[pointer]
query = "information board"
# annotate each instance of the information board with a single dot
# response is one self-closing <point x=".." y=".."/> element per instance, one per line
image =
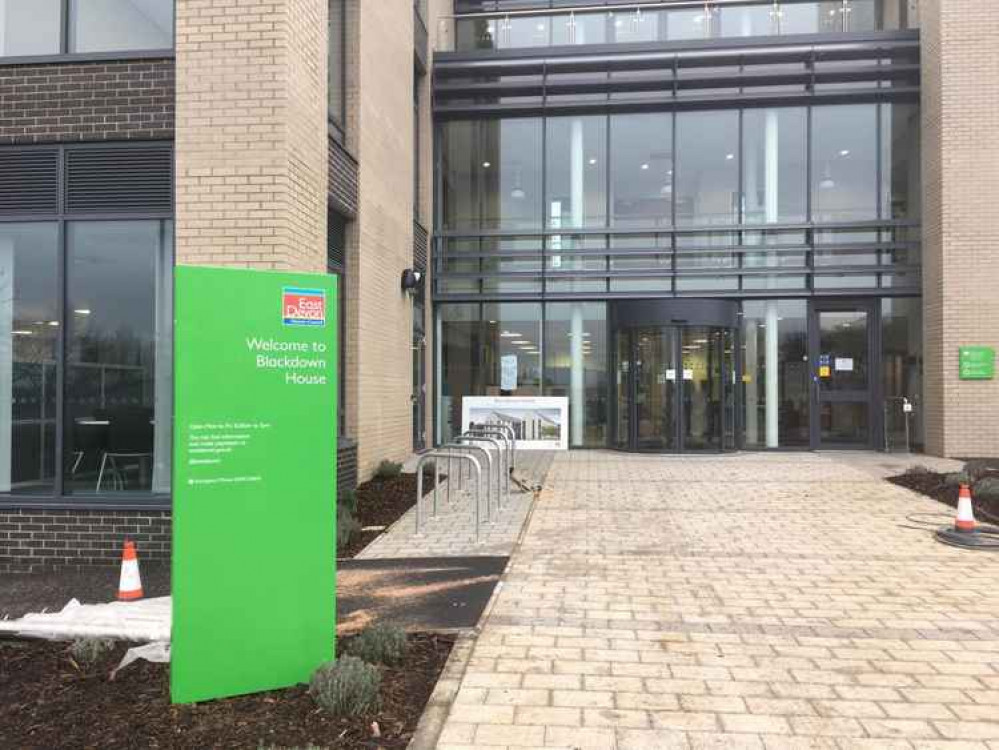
<point x="254" y="480"/>
<point x="976" y="363"/>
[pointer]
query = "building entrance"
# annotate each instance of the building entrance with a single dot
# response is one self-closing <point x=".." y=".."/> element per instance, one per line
<point x="674" y="387"/>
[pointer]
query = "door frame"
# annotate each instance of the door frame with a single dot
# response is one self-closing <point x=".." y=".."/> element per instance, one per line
<point x="874" y="416"/>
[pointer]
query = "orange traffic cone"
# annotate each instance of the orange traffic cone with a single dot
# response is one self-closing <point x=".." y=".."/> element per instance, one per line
<point x="965" y="521"/>
<point x="130" y="584"/>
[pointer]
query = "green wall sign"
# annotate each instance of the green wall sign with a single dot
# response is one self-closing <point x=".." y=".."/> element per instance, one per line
<point x="254" y="480"/>
<point x="977" y="363"/>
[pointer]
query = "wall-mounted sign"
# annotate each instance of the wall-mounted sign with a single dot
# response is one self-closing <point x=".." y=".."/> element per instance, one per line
<point x="976" y="363"/>
<point x="540" y="422"/>
<point x="824" y="371"/>
<point x="844" y="364"/>
<point x="254" y="480"/>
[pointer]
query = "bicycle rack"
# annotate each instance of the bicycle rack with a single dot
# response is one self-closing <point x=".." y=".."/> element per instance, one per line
<point x="511" y="433"/>
<point x="492" y="442"/>
<point x="483" y="432"/>
<point x="439" y="454"/>
<point x="488" y="471"/>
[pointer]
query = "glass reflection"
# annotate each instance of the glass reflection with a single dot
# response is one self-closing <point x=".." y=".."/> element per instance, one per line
<point x="576" y="179"/>
<point x="492" y="174"/>
<point x="114" y="25"/>
<point x="707" y="169"/>
<point x="118" y="367"/>
<point x="775" y="377"/>
<point x="29" y="332"/>
<point x="844" y="163"/>
<point x="576" y="367"/>
<point x="641" y="159"/>
<point x="30" y="28"/>
<point x="774" y="158"/>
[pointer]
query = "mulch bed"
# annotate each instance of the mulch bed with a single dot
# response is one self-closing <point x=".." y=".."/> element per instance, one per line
<point x="932" y="485"/>
<point x="381" y="502"/>
<point x="46" y="702"/>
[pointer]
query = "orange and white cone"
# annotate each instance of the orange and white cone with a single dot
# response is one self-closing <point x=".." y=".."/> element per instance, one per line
<point x="965" y="520"/>
<point x="130" y="584"/>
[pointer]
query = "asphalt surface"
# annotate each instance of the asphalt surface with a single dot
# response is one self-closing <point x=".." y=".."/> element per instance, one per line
<point x="417" y="594"/>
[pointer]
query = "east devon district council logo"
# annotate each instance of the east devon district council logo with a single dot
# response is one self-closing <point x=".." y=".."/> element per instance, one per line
<point x="303" y="307"/>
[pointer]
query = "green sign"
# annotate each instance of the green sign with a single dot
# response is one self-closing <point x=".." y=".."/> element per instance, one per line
<point x="977" y="363"/>
<point x="254" y="481"/>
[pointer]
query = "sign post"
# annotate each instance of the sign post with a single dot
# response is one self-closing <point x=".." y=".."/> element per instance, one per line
<point x="976" y="363"/>
<point x="254" y="480"/>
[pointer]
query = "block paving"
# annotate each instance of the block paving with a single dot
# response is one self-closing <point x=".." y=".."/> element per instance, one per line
<point x="761" y="601"/>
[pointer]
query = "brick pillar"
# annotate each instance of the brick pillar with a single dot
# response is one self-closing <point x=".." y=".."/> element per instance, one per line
<point x="251" y="138"/>
<point x="960" y="100"/>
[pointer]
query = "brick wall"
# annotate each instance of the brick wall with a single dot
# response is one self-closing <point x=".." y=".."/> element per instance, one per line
<point x="960" y="172"/>
<point x="44" y="539"/>
<point x="379" y="368"/>
<point x="252" y="142"/>
<point x="99" y="101"/>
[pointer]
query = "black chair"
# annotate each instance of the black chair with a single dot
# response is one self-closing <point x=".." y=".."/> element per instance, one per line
<point x="129" y="445"/>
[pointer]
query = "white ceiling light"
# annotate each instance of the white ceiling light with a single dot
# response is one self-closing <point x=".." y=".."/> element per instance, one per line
<point x="645" y="166"/>
<point x="486" y="164"/>
<point x="845" y="152"/>
<point x="510" y="335"/>
<point x="592" y="161"/>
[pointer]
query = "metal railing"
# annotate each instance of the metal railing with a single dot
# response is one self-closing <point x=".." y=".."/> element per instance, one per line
<point x="663" y="21"/>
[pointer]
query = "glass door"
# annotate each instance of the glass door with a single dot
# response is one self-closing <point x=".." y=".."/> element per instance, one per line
<point x="702" y="388"/>
<point x="655" y="389"/>
<point x="841" y="361"/>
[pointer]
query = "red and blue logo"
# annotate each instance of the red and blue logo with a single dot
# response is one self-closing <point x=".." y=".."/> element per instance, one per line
<point x="303" y="307"/>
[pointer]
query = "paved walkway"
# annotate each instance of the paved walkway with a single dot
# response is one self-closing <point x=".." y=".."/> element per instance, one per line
<point x="757" y="601"/>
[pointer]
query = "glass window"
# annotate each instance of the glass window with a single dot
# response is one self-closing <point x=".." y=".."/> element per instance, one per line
<point x="577" y="172"/>
<point x="775" y="377"/>
<point x="336" y="72"/>
<point x="844" y="163"/>
<point x="579" y="28"/>
<point x="115" y="25"/>
<point x="118" y="402"/>
<point x="902" y="368"/>
<point x="30" y="27"/>
<point x="492" y="174"/>
<point x="815" y="17"/>
<point x="29" y="329"/>
<point x="900" y="161"/>
<point x="476" y="33"/>
<point x="473" y="341"/>
<point x="641" y="170"/>
<point x="752" y="20"/>
<point x="775" y="167"/>
<point x="576" y="367"/>
<point x="687" y="24"/>
<point x="635" y="25"/>
<point x="861" y="15"/>
<point x="707" y="169"/>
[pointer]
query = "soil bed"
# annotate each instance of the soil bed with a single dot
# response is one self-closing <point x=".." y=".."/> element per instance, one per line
<point x="932" y="485"/>
<point x="381" y="502"/>
<point x="46" y="702"/>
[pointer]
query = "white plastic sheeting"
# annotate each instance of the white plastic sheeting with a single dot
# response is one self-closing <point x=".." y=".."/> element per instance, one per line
<point x="143" y="620"/>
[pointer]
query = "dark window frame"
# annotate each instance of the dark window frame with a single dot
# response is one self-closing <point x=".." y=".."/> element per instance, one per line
<point x="64" y="54"/>
<point x="57" y="499"/>
<point x="339" y="269"/>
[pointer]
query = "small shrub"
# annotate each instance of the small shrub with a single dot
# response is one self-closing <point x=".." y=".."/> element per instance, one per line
<point x="956" y="478"/>
<point x="379" y="644"/>
<point x="979" y="468"/>
<point x="86" y="652"/>
<point x="348" y="500"/>
<point x="346" y="687"/>
<point x="987" y="490"/>
<point x="388" y="470"/>
<point x="346" y="526"/>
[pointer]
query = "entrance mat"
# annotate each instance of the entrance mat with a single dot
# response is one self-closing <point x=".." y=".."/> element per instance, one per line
<point x="421" y="593"/>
